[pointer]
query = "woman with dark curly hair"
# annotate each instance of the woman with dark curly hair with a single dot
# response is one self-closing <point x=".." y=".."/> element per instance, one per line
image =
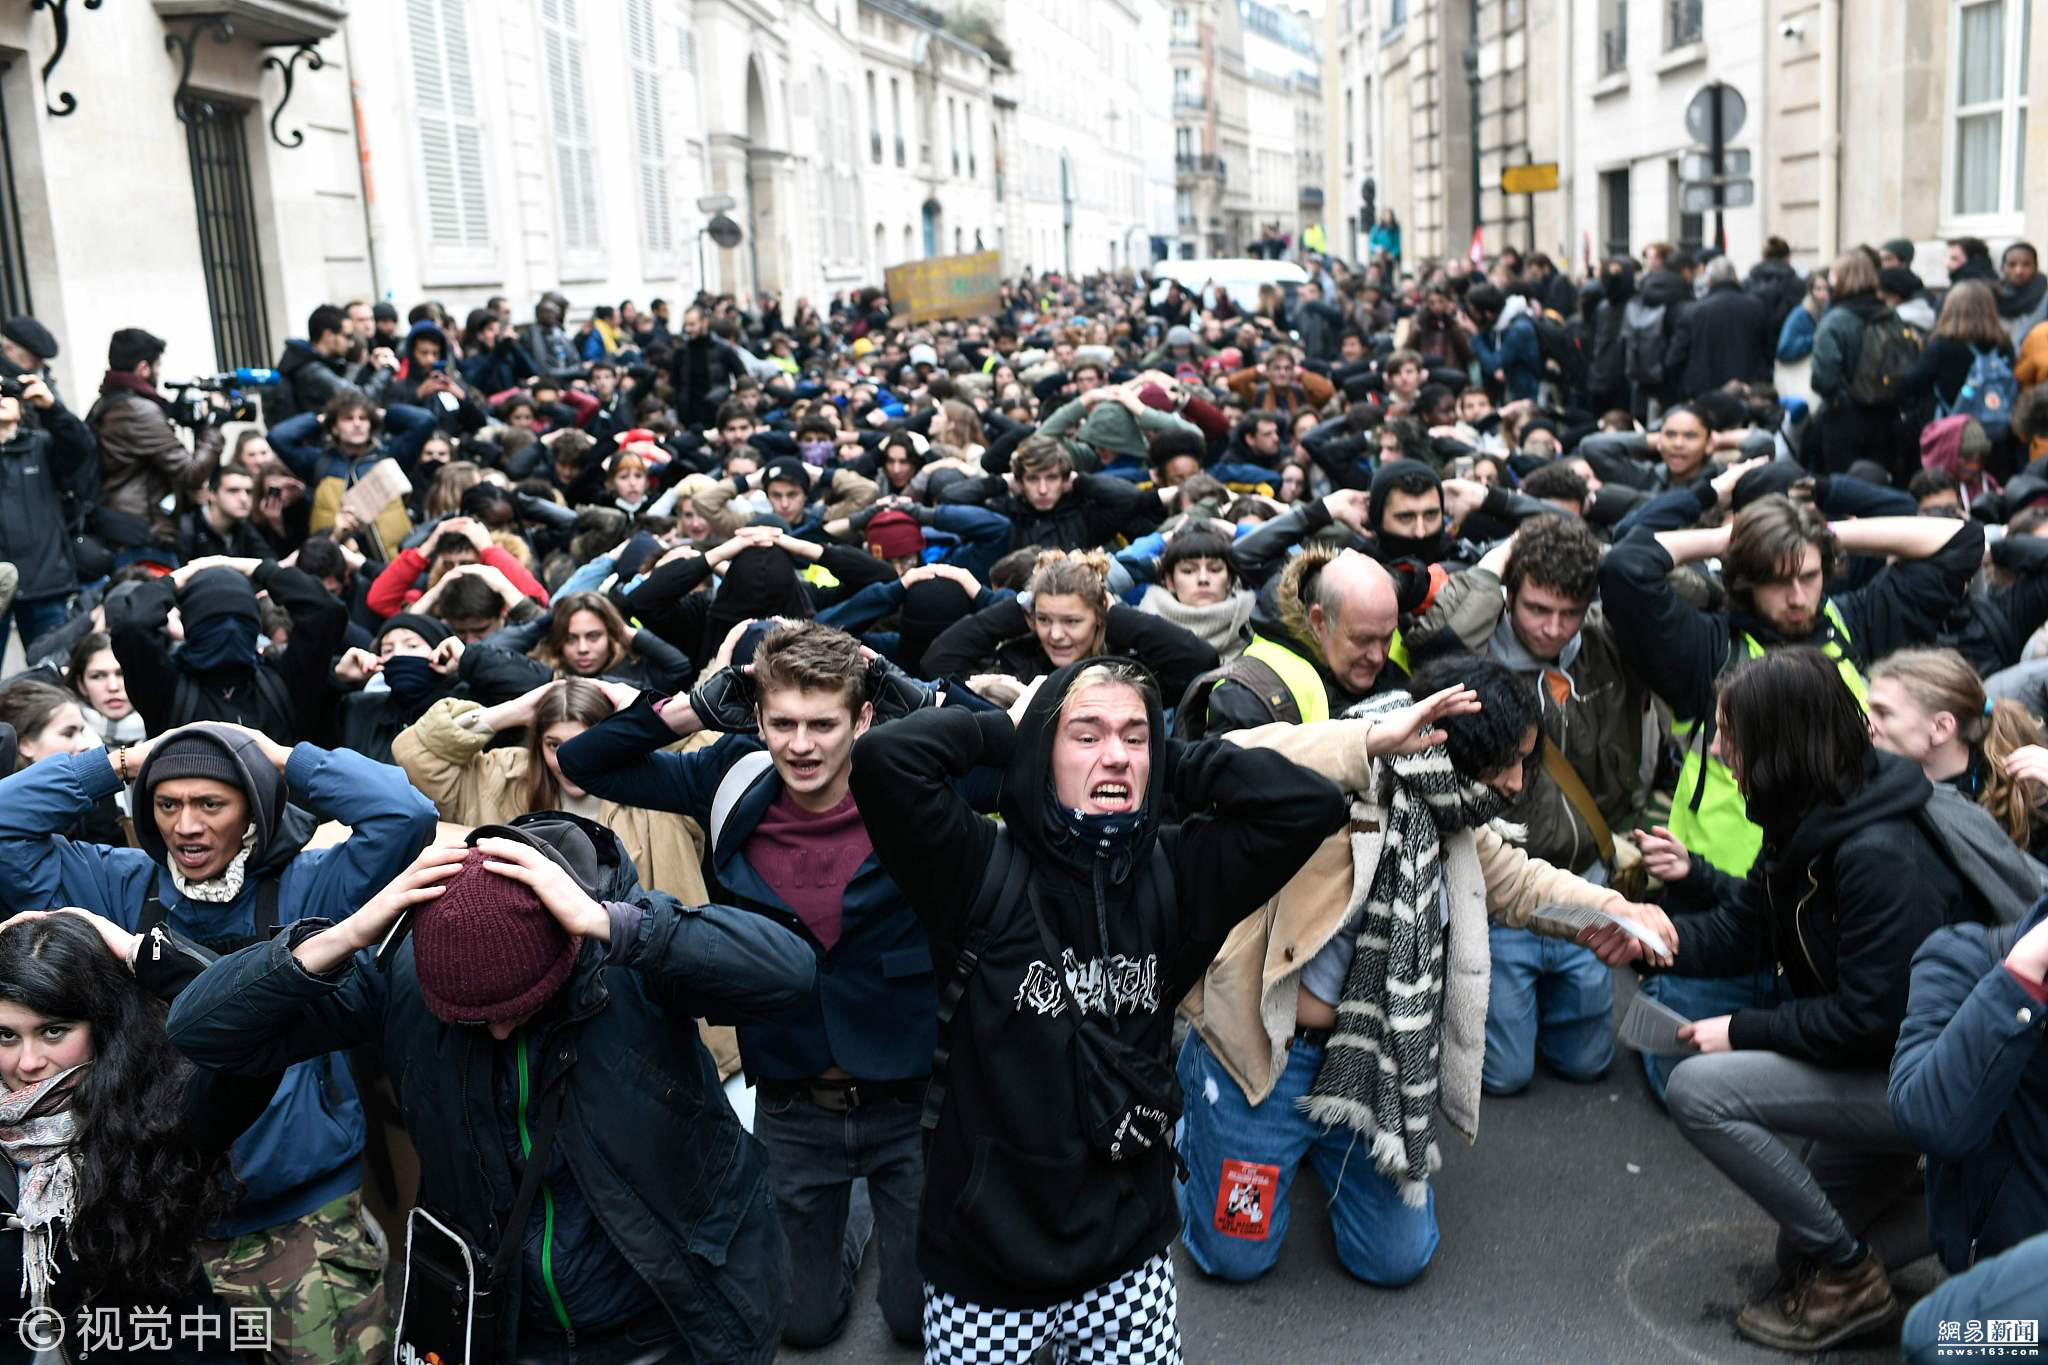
<point x="115" y="1143"/>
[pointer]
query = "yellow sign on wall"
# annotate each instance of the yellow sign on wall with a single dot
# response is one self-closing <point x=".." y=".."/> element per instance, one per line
<point x="945" y="286"/>
<point x="1531" y="179"/>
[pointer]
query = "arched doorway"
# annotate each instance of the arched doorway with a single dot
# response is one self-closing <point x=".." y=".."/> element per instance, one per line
<point x="934" y="227"/>
<point x="763" y="221"/>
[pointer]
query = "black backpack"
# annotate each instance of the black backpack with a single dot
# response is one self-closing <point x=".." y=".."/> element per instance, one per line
<point x="1642" y="342"/>
<point x="1564" y="353"/>
<point x="1889" y="348"/>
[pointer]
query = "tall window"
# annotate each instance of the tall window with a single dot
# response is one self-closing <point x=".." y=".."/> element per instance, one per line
<point x="1684" y="22"/>
<point x="1988" y="102"/>
<point x="650" y="138"/>
<point x="216" y="137"/>
<point x="1613" y="36"/>
<point x="450" y="134"/>
<point x="1184" y="144"/>
<point x="953" y="131"/>
<point x="1691" y="227"/>
<point x="896" y="114"/>
<point x="845" y="229"/>
<point x="1614" y="212"/>
<point x="874" y="122"/>
<point x="569" y="105"/>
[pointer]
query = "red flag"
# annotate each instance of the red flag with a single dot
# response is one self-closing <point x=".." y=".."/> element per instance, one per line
<point x="1478" y="251"/>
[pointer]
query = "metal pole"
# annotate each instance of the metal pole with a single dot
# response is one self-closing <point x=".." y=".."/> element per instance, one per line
<point x="1715" y="149"/>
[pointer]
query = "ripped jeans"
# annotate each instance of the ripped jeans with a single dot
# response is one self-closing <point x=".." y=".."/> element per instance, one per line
<point x="1241" y="1162"/>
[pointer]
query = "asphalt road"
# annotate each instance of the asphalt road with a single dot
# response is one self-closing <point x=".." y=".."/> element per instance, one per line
<point x="1580" y="1228"/>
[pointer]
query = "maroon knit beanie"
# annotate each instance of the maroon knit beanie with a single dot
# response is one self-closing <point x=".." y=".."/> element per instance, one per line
<point x="486" y="950"/>
<point x="895" y="535"/>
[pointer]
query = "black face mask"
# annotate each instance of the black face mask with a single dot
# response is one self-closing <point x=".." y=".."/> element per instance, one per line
<point x="1430" y="549"/>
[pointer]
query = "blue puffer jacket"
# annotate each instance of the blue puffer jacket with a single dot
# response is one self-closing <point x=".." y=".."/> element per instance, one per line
<point x="305" y="1150"/>
<point x="1970" y="1087"/>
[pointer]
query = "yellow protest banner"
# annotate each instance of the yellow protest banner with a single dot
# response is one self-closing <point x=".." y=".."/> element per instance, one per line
<point x="945" y="286"/>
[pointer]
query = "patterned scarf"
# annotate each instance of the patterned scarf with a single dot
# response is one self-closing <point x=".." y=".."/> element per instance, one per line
<point x="36" y="1132"/>
<point x="224" y="888"/>
<point x="1381" y="1070"/>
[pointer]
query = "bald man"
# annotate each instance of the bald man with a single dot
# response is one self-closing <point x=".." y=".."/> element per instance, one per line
<point x="1321" y="636"/>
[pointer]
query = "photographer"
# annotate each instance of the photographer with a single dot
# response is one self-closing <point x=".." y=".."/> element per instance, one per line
<point x="37" y="467"/>
<point x="144" y="461"/>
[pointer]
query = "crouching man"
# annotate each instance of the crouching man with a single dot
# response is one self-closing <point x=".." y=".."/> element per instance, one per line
<point x="542" y="1011"/>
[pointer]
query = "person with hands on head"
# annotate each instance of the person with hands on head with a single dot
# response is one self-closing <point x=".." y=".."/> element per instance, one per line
<point x="1847" y="888"/>
<point x="840" y="1081"/>
<point x="1353" y="1004"/>
<point x="1057" y="1078"/>
<point x="456" y="542"/>
<point x="117" y="1145"/>
<point x="535" y="1006"/>
<point x="223" y="816"/>
<point x="220" y="672"/>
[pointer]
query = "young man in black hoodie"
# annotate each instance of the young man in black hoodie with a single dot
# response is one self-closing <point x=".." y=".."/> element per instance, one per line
<point x="1068" y="936"/>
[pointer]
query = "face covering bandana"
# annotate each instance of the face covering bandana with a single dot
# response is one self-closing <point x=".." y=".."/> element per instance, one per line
<point x="1429" y="549"/>
<point x="218" y="642"/>
<point x="816" y="452"/>
<point x="410" y="676"/>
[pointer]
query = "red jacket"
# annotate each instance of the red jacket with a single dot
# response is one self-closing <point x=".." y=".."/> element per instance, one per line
<point x="395" y="588"/>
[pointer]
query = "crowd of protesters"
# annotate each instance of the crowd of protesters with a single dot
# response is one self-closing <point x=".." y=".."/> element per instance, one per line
<point x="717" y="787"/>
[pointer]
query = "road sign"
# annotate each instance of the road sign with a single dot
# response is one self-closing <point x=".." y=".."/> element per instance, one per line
<point x="1534" y="178"/>
<point x="716" y="203"/>
<point x="1698" y="167"/>
<point x="1730" y="194"/>
<point x="724" y="231"/>
<point x="1720" y="103"/>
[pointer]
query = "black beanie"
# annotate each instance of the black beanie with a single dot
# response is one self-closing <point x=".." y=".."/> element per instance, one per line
<point x="928" y="609"/>
<point x="218" y="592"/>
<point x="1383" y="483"/>
<point x="426" y="627"/>
<point x="192" y="755"/>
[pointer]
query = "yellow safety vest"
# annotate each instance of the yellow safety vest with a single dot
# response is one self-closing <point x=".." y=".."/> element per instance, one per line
<point x="1397" y="652"/>
<point x="1708" y="814"/>
<point x="818" y="576"/>
<point x="1298" y="675"/>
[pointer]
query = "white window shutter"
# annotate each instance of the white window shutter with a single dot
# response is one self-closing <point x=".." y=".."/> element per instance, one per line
<point x="449" y="130"/>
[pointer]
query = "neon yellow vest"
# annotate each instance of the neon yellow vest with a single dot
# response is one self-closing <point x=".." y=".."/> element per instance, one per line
<point x="1299" y="676"/>
<point x="1716" y="825"/>
<point x="1397" y="653"/>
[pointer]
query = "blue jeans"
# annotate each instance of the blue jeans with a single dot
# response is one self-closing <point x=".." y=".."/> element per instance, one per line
<point x="1703" y="997"/>
<point x="1235" y="1233"/>
<point x="2013" y="1284"/>
<point x="37" y="616"/>
<point x="814" y="1156"/>
<point x="1546" y="996"/>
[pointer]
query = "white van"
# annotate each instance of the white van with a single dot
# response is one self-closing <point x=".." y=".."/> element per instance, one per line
<point x="1241" y="275"/>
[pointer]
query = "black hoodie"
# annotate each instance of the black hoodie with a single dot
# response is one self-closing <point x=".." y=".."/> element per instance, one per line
<point x="1018" y="1210"/>
<point x="1839" y="903"/>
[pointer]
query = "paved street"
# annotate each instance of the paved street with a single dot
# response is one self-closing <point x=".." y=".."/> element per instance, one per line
<point x="1580" y="1229"/>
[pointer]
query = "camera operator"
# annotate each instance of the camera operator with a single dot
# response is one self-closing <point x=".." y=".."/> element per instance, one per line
<point x="144" y="459"/>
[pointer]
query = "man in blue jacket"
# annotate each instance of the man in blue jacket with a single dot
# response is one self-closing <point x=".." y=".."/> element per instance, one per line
<point x="1969" y="1086"/>
<point x="222" y="860"/>
<point x="841" y="1081"/>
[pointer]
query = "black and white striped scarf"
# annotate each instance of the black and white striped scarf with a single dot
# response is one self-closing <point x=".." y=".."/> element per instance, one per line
<point x="1381" y="1070"/>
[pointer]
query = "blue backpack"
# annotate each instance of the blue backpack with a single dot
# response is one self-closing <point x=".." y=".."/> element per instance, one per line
<point x="1988" y="394"/>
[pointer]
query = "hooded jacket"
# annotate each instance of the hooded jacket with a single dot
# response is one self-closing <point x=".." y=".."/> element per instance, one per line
<point x="1018" y="1211"/>
<point x="1969" y="1087"/>
<point x="667" y="1175"/>
<point x="1000" y="639"/>
<point x="285" y="695"/>
<point x="1838" y="904"/>
<point x="304" y="1151"/>
<point x="37" y="467"/>
<point x="310" y="378"/>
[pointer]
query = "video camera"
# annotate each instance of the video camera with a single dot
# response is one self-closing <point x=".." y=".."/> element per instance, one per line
<point x="192" y="405"/>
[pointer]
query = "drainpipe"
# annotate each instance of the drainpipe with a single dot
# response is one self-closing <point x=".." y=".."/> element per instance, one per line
<point x="355" y="105"/>
<point x="1830" y="37"/>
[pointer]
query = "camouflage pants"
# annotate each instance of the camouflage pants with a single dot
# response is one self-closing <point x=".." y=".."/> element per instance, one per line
<point x="321" y="1277"/>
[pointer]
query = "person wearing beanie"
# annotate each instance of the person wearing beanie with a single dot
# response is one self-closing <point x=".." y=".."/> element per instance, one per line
<point x="537" y="1006"/>
<point x="801" y="497"/>
<point x="841" y="1083"/>
<point x="413" y="661"/>
<point x="1906" y="294"/>
<point x="223" y="817"/>
<point x="220" y="673"/>
<point x="1107" y="427"/>
<point x="895" y="538"/>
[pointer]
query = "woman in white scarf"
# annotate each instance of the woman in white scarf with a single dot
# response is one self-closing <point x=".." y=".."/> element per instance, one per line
<point x="114" y="1143"/>
<point x="1198" y="590"/>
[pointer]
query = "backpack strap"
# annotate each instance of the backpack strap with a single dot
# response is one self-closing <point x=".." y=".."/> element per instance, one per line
<point x="269" y="894"/>
<point x="739" y="779"/>
<point x="1002" y="887"/>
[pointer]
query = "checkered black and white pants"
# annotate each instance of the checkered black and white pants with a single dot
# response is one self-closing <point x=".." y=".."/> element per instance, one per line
<point x="1132" y="1320"/>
